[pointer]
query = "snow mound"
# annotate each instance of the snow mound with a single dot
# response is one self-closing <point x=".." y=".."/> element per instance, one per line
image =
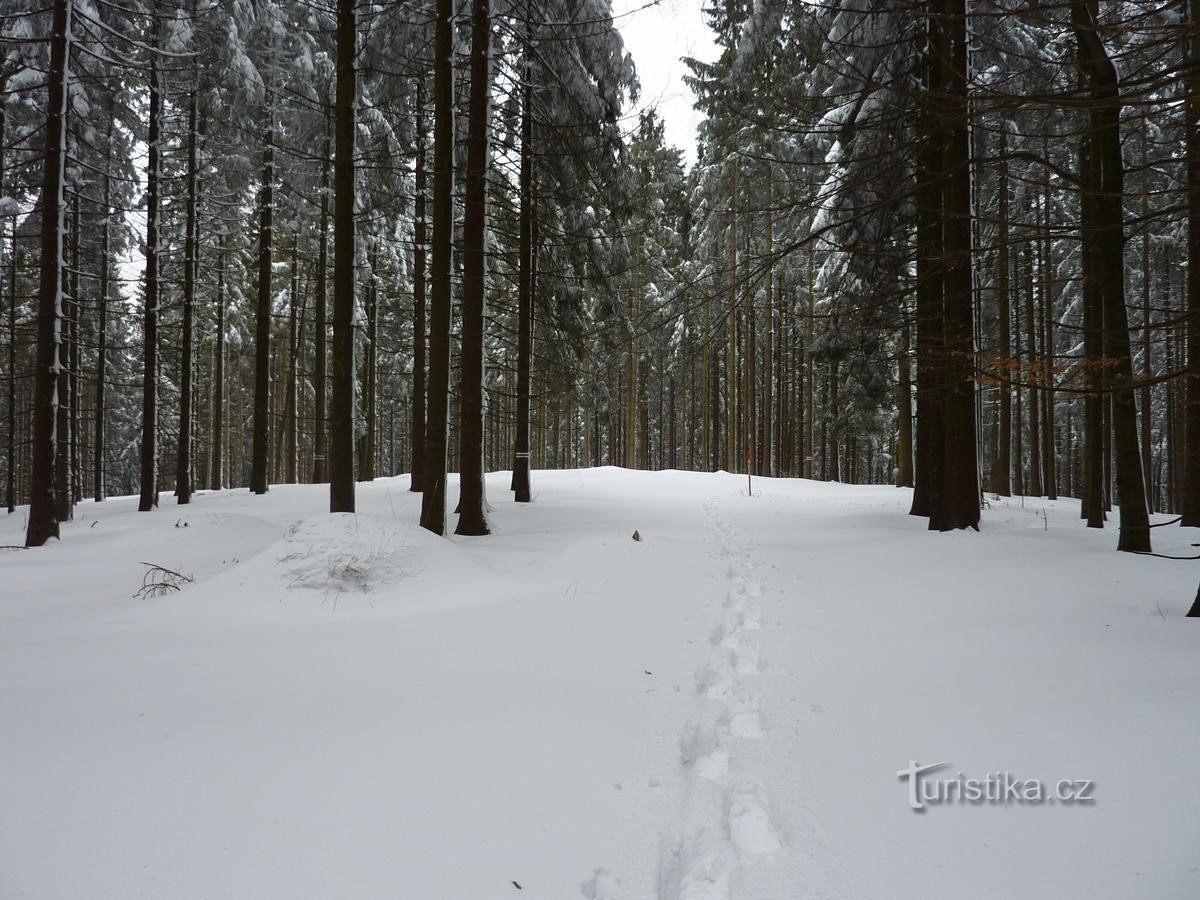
<point x="345" y="553"/>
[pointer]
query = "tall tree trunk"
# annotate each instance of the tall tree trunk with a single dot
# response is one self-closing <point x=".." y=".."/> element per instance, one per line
<point x="631" y="360"/>
<point x="43" y="524"/>
<point x="1147" y="337"/>
<point x="10" y="487"/>
<point x="183" y="471"/>
<point x="291" y="412"/>
<point x="75" y="371"/>
<point x="100" y="441"/>
<point x="341" y="405"/>
<point x="732" y="413"/>
<point x="808" y="374"/>
<point x="149" y="493"/>
<point x="1092" y="498"/>
<point x="417" y="432"/>
<point x="958" y="505"/>
<point x="1033" y="368"/>
<point x="832" y="414"/>
<point x="1001" y="455"/>
<point x="260" y="449"/>
<point x="520" y="478"/>
<point x="930" y="449"/>
<point x="433" y="499"/>
<point x="472" y="506"/>
<point x="368" y="439"/>
<point x="904" y="412"/>
<point x="750" y="363"/>
<point x="1105" y="116"/>
<point x="769" y="466"/>
<point x="1049" y="356"/>
<point x="321" y="324"/>
<point x="64" y="461"/>
<point x="216" y="476"/>
<point x="1191" y="460"/>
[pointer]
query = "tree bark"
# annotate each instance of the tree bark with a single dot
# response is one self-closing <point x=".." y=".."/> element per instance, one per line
<point x="472" y="506"/>
<point x="64" y="459"/>
<point x="904" y="412"/>
<point x="10" y="488"/>
<point x="433" y="498"/>
<point x="958" y="505"/>
<point x="521" y="467"/>
<point x="100" y="441"/>
<point x="216" y="476"/>
<point x="1105" y="116"/>
<point x="183" y="470"/>
<point x="43" y="524"/>
<point x="290" y="416"/>
<point x="1092" y="499"/>
<point x="368" y="439"/>
<point x="341" y="406"/>
<point x="930" y="447"/>
<point x="260" y="448"/>
<point x="1191" y="458"/>
<point x="417" y="433"/>
<point x="1001" y="454"/>
<point x="1033" y="368"/>
<point x="149" y="493"/>
<point x="321" y="324"/>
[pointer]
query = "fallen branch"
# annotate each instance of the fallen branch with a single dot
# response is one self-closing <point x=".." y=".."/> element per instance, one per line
<point x="159" y="580"/>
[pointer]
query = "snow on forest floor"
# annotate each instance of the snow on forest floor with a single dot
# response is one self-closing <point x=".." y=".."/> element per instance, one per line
<point x="347" y="706"/>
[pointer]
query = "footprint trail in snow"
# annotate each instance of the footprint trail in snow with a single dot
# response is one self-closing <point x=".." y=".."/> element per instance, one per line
<point x="726" y="819"/>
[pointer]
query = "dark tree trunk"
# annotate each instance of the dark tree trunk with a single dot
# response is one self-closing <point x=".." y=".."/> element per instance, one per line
<point x="64" y="462"/>
<point x="183" y="471"/>
<point x="1001" y="455"/>
<point x="433" y="499"/>
<point x="1191" y="459"/>
<point x="1092" y="499"/>
<point x="417" y="433"/>
<point x="216" y="479"/>
<point x="904" y="410"/>
<point x="100" y="442"/>
<point x="290" y="413"/>
<point x="368" y="440"/>
<point x="1033" y="368"/>
<point x="930" y="446"/>
<point x="520" y="476"/>
<point x="149" y="495"/>
<point x="260" y="449"/>
<point x="1049" y="359"/>
<point x="42" y="522"/>
<point x="341" y="407"/>
<point x="1147" y="411"/>
<point x="10" y="488"/>
<point x="472" y="506"/>
<point x="958" y="505"/>
<point x="74" y="369"/>
<point x="1105" y="117"/>
<point x="320" y="323"/>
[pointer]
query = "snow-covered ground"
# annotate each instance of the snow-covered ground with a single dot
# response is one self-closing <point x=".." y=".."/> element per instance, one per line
<point x="347" y="706"/>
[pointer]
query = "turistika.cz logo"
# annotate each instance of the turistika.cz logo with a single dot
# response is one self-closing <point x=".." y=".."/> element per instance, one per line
<point x="998" y="788"/>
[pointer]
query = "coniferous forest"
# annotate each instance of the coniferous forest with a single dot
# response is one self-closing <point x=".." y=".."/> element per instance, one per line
<point x="437" y="467"/>
<point x="941" y="245"/>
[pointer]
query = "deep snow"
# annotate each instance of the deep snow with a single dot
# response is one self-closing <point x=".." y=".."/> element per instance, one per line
<point x="347" y="706"/>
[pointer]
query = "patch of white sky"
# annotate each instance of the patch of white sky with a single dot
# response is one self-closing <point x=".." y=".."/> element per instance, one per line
<point x="658" y="34"/>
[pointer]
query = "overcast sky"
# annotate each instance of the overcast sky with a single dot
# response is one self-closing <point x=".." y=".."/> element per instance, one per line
<point x="658" y="34"/>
